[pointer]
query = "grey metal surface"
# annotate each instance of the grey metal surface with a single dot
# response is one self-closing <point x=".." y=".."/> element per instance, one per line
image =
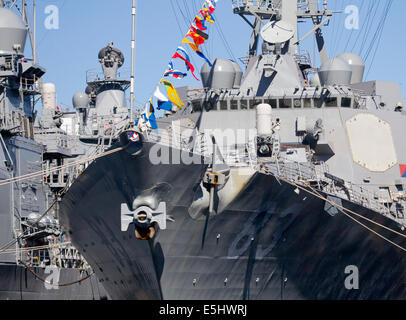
<point x="335" y="71"/>
<point x="222" y="75"/>
<point x="356" y="64"/>
<point x="264" y="237"/>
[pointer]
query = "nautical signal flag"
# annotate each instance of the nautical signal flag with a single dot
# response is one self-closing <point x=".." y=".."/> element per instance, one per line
<point x="210" y="5"/>
<point x="196" y="36"/>
<point x="402" y="168"/>
<point x="204" y="57"/>
<point x="171" y="72"/>
<point x="199" y="32"/>
<point x="197" y="39"/>
<point x="199" y="23"/>
<point x="196" y="49"/>
<point x="172" y="94"/>
<point x="191" y="44"/>
<point x="182" y="54"/>
<point x="206" y="14"/>
<point x="149" y="115"/>
<point x="163" y="102"/>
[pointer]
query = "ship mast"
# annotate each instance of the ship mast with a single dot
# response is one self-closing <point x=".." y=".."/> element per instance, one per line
<point x="288" y="14"/>
<point x="289" y="11"/>
<point x="34" y="26"/>
<point x="264" y="11"/>
<point x="133" y="12"/>
<point x="320" y="16"/>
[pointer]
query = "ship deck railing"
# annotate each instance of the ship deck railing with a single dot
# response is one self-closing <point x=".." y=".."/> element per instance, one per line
<point x="193" y="142"/>
<point x="303" y="58"/>
<point x="58" y="255"/>
<point x="66" y="177"/>
<point x="317" y="176"/>
<point x="94" y="75"/>
<point x="30" y="86"/>
<point x="302" y="5"/>
<point x="304" y="10"/>
<point x="59" y="178"/>
<point x="268" y="4"/>
<point x="238" y="155"/>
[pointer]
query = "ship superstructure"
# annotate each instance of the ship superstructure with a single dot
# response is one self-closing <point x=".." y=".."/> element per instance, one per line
<point x="308" y="107"/>
<point x="269" y="183"/>
<point x="100" y="114"/>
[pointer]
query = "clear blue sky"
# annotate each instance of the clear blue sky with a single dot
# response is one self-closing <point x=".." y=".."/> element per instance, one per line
<point x="87" y="26"/>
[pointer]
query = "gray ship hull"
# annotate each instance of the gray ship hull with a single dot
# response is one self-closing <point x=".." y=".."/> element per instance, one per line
<point x="270" y="243"/>
<point x="18" y="283"/>
<point x="90" y="212"/>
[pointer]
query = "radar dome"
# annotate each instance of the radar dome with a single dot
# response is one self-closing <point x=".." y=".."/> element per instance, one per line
<point x="80" y="100"/>
<point x="335" y="71"/>
<point x="13" y="32"/>
<point x="222" y="74"/>
<point x="356" y="64"/>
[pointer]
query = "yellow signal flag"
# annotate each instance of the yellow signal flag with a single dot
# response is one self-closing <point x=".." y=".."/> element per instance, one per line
<point x="172" y="94"/>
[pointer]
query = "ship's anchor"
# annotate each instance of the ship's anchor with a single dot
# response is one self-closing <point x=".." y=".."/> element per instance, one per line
<point x="216" y="176"/>
<point x="145" y="220"/>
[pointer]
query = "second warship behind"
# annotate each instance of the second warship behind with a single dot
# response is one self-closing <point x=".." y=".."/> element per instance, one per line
<point x="307" y="182"/>
<point x="36" y="260"/>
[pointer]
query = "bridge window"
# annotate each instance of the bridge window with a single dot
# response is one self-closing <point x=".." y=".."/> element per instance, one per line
<point x="307" y="103"/>
<point x="285" y="103"/>
<point x="234" y="105"/>
<point x="210" y="105"/>
<point x="272" y="102"/>
<point x="346" y="102"/>
<point x="223" y="105"/>
<point x="244" y="104"/>
<point x="196" y="106"/>
<point x="331" y="103"/>
<point x="255" y="102"/>
<point x="318" y="103"/>
<point x="297" y="103"/>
